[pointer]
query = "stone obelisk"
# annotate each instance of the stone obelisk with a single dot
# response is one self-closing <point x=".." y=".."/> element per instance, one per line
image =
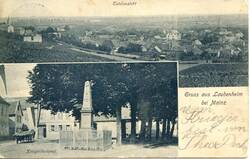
<point x="87" y="110"/>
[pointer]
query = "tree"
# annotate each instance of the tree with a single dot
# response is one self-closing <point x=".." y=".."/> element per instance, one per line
<point x="59" y="87"/>
<point x="67" y="27"/>
<point x="32" y="28"/>
<point x="107" y="46"/>
<point x="50" y="30"/>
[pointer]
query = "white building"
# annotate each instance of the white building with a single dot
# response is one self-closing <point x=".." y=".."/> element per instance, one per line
<point x="51" y="124"/>
<point x="173" y="35"/>
<point x="36" y="38"/>
<point x="16" y="118"/>
<point x="10" y="29"/>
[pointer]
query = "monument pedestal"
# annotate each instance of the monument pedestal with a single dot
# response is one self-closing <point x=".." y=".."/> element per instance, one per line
<point x="86" y="119"/>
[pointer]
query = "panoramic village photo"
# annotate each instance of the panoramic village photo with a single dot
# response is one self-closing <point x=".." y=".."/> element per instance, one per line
<point x="94" y="78"/>
<point x="189" y="31"/>
<point x="89" y="110"/>
<point x="210" y="43"/>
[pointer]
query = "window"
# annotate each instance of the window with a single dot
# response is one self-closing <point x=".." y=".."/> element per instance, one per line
<point x="52" y="128"/>
<point x="60" y="127"/>
<point x="52" y="116"/>
<point x="3" y="111"/>
<point x="67" y="127"/>
<point x="60" y="116"/>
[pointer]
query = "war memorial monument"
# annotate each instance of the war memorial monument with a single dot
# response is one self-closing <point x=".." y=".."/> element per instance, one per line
<point x="86" y="137"/>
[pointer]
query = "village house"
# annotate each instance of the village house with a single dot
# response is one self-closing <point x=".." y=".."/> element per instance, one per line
<point x="239" y="35"/>
<point x="60" y="29"/>
<point x="143" y="48"/>
<point x="50" y="124"/>
<point x="54" y="35"/>
<point x="30" y="117"/>
<point x="20" y="31"/>
<point x="197" y="43"/>
<point x="28" y="31"/>
<point x="157" y="49"/>
<point x="4" y="119"/>
<point x="88" y="33"/>
<point x="10" y="29"/>
<point x="16" y="118"/>
<point x="224" y="31"/>
<point x="88" y="41"/>
<point x="173" y="35"/>
<point x="33" y="38"/>
<point x="21" y="114"/>
<point x="196" y="51"/>
<point x="213" y="52"/>
<point x="228" y="38"/>
<point x="158" y="37"/>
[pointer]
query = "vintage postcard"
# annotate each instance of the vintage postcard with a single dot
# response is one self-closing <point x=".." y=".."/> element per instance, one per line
<point x="123" y="78"/>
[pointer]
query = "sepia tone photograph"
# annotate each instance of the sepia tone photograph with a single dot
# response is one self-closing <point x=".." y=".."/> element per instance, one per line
<point x="89" y="110"/>
<point x="189" y="31"/>
<point x="123" y="78"/>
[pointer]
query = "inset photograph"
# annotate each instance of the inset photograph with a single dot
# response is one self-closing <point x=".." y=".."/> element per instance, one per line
<point x="213" y="75"/>
<point x="89" y="110"/>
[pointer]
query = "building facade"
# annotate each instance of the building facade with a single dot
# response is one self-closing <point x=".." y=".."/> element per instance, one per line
<point x="50" y="124"/>
<point x="16" y="118"/>
<point x="4" y="119"/>
<point x="37" y="38"/>
<point x="173" y="35"/>
<point x="10" y="29"/>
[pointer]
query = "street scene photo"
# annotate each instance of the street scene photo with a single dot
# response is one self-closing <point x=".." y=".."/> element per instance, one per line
<point x="89" y="110"/>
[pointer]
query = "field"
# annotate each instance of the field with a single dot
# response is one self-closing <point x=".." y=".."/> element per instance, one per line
<point x="214" y="75"/>
<point x="13" y="49"/>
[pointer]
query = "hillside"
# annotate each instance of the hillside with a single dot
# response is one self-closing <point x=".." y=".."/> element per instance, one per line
<point x="214" y="75"/>
<point x="13" y="49"/>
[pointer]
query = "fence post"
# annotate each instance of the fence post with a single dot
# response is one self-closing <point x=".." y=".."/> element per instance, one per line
<point x="73" y="133"/>
<point x="87" y="140"/>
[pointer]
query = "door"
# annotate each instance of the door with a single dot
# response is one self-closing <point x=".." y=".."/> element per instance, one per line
<point x="44" y="132"/>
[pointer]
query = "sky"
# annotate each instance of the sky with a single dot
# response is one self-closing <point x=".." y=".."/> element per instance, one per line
<point x="16" y="80"/>
<point x="28" y="8"/>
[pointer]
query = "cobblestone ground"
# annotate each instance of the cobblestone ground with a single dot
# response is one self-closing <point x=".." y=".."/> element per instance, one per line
<point x="52" y="150"/>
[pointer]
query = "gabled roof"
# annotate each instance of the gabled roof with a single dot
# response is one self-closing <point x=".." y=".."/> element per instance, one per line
<point x="2" y="101"/>
<point x="14" y="101"/>
<point x="197" y="51"/>
<point x="15" y="106"/>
